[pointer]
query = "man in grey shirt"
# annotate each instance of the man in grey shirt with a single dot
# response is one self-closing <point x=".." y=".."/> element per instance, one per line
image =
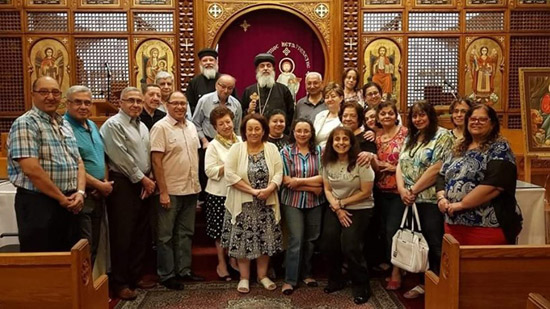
<point x="127" y="146"/>
<point x="222" y="96"/>
<point x="313" y="103"/>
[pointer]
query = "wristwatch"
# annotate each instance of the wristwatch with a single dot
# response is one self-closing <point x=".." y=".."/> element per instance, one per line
<point x="82" y="192"/>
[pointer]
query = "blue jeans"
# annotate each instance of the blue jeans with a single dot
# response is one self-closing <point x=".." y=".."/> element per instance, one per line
<point x="304" y="226"/>
<point x="176" y="227"/>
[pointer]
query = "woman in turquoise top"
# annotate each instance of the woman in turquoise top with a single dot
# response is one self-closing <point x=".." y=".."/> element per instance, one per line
<point x="420" y="160"/>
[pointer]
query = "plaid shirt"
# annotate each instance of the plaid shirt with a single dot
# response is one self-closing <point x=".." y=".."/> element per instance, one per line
<point x="49" y="139"/>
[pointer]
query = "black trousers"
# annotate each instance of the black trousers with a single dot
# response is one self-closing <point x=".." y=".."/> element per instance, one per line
<point x="340" y="242"/>
<point x="432" y="222"/>
<point x="44" y="225"/>
<point x="129" y="231"/>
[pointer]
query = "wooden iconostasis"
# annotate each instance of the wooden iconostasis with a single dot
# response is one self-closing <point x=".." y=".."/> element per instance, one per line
<point x="417" y="49"/>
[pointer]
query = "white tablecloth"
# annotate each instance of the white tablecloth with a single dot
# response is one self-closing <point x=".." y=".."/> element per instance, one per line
<point x="530" y="198"/>
<point x="8" y="224"/>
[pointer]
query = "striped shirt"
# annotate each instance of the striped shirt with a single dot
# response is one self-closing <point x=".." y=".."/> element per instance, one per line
<point x="49" y="139"/>
<point x="299" y="165"/>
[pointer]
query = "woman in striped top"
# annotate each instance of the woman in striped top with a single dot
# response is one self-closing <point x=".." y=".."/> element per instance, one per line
<point x="301" y="197"/>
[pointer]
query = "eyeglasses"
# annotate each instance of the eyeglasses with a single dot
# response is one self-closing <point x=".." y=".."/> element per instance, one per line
<point x="224" y="87"/>
<point x="44" y="92"/>
<point x="480" y="120"/>
<point x="133" y="101"/>
<point x="373" y="94"/>
<point x="180" y="103"/>
<point x="86" y="103"/>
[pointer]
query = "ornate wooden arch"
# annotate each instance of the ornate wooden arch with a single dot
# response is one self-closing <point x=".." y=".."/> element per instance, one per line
<point x="219" y="15"/>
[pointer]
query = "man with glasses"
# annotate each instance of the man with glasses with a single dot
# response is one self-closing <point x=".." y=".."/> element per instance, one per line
<point x="127" y="146"/>
<point x="90" y="147"/>
<point x="205" y="82"/>
<point x="45" y="166"/>
<point x="174" y="145"/>
<point x="225" y="85"/>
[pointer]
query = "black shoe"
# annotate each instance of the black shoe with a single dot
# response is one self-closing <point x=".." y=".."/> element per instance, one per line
<point x="190" y="277"/>
<point x="172" y="284"/>
<point x="333" y="287"/>
<point x="361" y="295"/>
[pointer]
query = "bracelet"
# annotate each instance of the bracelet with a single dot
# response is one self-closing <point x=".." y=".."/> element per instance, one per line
<point x="334" y="209"/>
<point x="340" y="204"/>
<point x="440" y="198"/>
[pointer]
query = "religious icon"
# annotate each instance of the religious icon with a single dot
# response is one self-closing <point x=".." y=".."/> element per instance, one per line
<point x="287" y="77"/>
<point x="484" y="78"/>
<point x="535" y="108"/>
<point x="50" y="63"/>
<point x="152" y="57"/>
<point x="381" y="58"/>
<point x="49" y="57"/>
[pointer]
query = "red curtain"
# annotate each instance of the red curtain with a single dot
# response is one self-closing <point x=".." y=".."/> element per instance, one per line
<point x="282" y="33"/>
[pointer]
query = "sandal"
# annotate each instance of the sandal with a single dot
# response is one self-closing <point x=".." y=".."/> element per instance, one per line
<point x="268" y="284"/>
<point x="311" y="282"/>
<point x="243" y="286"/>
<point x="223" y="277"/>
<point x="287" y="289"/>
<point x="393" y="285"/>
<point x="414" y="292"/>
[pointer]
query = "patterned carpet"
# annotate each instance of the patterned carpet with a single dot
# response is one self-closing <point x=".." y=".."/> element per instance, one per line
<point x="224" y="295"/>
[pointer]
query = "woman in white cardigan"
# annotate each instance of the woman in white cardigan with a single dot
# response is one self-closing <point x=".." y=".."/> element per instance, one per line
<point x="221" y="119"/>
<point x="327" y="120"/>
<point x="251" y="230"/>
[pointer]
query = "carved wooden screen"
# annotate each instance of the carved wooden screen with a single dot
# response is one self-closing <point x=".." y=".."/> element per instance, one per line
<point x="86" y="39"/>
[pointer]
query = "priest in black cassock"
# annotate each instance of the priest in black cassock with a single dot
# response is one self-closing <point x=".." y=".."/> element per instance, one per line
<point x="267" y="94"/>
<point x="206" y="81"/>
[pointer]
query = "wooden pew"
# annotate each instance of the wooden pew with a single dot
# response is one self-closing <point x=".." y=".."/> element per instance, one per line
<point x="51" y="280"/>
<point x="537" y="301"/>
<point x="487" y="276"/>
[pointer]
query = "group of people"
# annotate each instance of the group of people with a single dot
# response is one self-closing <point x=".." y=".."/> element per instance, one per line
<point x="333" y="171"/>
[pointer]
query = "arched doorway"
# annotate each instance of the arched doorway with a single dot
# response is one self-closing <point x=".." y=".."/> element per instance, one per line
<point x="283" y="34"/>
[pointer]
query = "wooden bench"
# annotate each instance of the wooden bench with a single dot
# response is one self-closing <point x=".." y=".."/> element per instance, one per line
<point x="537" y="301"/>
<point x="51" y="280"/>
<point x="487" y="276"/>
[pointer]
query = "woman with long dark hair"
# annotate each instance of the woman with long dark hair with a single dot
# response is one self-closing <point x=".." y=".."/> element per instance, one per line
<point x="420" y="160"/>
<point x="476" y="186"/>
<point x="352" y="91"/>
<point x="348" y="188"/>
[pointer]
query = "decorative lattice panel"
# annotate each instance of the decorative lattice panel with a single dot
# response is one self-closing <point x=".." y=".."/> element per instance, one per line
<point x="186" y="40"/>
<point x="10" y="21"/>
<point x="47" y="21"/>
<point x="351" y="33"/>
<point x="157" y="22"/>
<point x="12" y="98"/>
<point x="432" y="21"/>
<point x="530" y="20"/>
<point x="94" y="57"/>
<point x="5" y="124"/>
<point x="104" y="22"/>
<point x="432" y="63"/>
<point x="484" y="21"/>
<point x="382" y="21"/>
<point x="525" y="51"/>
<point x="514" y="121"/>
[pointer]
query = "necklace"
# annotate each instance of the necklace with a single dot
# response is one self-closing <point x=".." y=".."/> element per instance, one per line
<point x="260" y="99"/>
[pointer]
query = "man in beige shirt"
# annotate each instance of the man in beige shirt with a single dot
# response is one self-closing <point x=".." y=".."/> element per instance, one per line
<point x="174" y="153"/>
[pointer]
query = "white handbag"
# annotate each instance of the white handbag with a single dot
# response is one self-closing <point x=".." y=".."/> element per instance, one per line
<point x="409" y="248"/>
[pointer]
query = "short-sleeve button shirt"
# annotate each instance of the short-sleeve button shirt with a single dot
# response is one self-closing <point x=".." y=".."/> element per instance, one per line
<point x="49" y="139"/>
